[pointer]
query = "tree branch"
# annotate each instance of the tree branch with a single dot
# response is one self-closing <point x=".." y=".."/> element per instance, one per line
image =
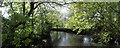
<point x="23" y="8"/>
<point x="31" y="8"/>
<point x="114" y="9"/>
<point x="12" y="7"/>
<point x="45" y="2"/>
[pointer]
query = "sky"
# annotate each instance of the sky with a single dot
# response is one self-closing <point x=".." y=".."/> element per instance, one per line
<point x="4" y="11"/>
<point x="63" y="10"/>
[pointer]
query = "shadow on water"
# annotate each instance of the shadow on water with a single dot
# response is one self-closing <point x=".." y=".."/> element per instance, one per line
<point x="61" y="39"/>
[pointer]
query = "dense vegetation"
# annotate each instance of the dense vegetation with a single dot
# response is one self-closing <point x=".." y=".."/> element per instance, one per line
<point x="101" y="19"/>
<point x="31" y="22"/>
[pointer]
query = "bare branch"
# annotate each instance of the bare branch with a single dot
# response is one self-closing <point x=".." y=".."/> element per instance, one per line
<point x="114" y="9"/>
<point x="11" y="6"/>
<point x="23" y="8"/>
<point x="31" y="8"/>
<point x="52" y="6"/>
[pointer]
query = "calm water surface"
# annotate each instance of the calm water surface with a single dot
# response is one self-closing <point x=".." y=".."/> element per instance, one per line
<point x="68" y="39"/>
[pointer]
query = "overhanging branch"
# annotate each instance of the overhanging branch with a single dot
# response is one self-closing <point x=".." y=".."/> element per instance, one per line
<point x="46" y="2"/>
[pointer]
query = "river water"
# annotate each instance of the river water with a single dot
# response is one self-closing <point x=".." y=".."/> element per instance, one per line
<point x="68" y="39"/>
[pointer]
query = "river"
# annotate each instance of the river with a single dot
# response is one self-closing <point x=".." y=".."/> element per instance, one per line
<point x="68" y="39"/>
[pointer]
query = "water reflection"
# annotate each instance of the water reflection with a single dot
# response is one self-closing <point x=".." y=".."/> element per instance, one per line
<point x="85" y="40"/>
<point x="67" y="39"/>
<point x="116" y="42"/>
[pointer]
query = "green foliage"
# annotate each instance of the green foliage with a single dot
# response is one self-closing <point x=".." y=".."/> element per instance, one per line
<point x="105" y="37"/>
<point x="102" y="18"/>
<point x="80" y="20"/>
<point x="23" y="30"/>
<point x="12" y="30"/>
<point x="97" y="17"/>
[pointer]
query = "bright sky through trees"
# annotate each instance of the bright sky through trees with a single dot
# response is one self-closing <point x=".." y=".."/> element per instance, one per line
<point x="4" y="12"/>
<point x="63" y="10"/>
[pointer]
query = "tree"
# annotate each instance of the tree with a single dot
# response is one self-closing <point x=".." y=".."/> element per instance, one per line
<point x="27" y="25"/>
<point x="98" y="17"/>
